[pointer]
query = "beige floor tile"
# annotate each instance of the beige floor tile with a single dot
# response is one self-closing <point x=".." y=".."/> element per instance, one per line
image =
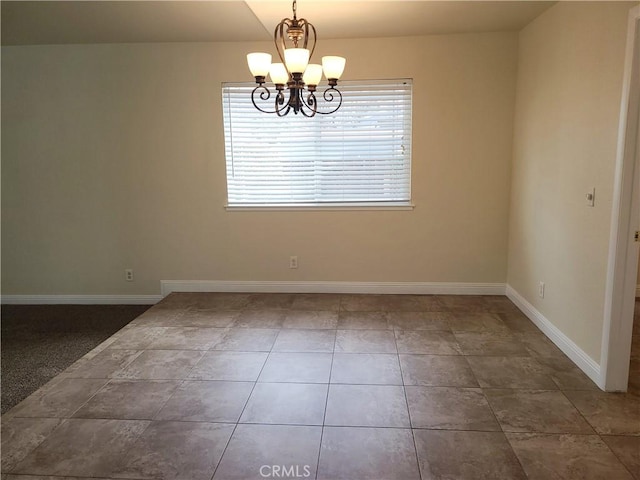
<point x="365" y="341"/>
<point x="412" y="303"/>
<point x="255" y="450"/>
<point x="518" y="322"/>
<point x="363" y="321"/>
<point x="82" y="447"/>
<point x="180" y="299"/>
<point x="366" y="368"/>
<point x="427" y="342"/>
<point x="609" y="413"/>
<point x="565" y="374"/>
<point x="499" y="304"/>
<point x="286" y="404"/>
<point x="566" y="457"/>
<point x="194" y="365"/>
<point x="363" y="303"/>
<point x="477" y="322"/>
<point x="538" y="345"/>
<point x="161" y="365"/>
<point x="188" y="338"/>
<point x="367" y="406"/>
<point x="627" y="449"/>
<point x="493" y="343"/>
<point x="437" y="371"/>
<point x="270" y="301"/>
<point x="305" y="340"/>
<point x="450" y="408"/>
<point x="351" y="453"/>
<point x="312" y="319"/>
<point x="20" y="436"/>
<point x="419" y="320"/>
<point x="220" y="301"/>
<point x="260" y="319"/>
<point x="47" y="477"/>
<point x="176" y="450"/>
<point x="136" y="338"/>
<point x="58" y="399"/>
<point x="445" y="455"/>
<point x="297" y="368"/>
<point x="128" y="399"/>
<point x="231" y="366"/>
<point x="207" y="401"/>
<point x="464" y="303"/>
<point x="536" y="411"/>
<point x="317" y="301"/>
<point x="208" y="319"/>
<point x="103" y="365"/>
<point x="248" y="340"/>
<point x="510" y="372"/>
<point x="159" y="316"/>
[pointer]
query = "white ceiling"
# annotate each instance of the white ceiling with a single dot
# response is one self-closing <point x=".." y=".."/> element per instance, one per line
<point x="54" y="22"/>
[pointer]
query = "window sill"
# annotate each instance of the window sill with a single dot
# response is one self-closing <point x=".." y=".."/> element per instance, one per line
<point x="320" y="207"/>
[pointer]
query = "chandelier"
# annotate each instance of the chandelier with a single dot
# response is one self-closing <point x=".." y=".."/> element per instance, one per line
<point x="295" y="41"/>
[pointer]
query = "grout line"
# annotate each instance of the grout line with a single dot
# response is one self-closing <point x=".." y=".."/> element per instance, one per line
<point x="326" y="402"/>
<point x="406" y="401"/>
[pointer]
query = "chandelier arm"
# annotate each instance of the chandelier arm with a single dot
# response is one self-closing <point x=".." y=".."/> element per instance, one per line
<point x="329" y="96"/>
<point x="282" y="108"/>
<point x="283" y="111"/>
<point x="265" y="95"/>
<point x="310" y="103"/>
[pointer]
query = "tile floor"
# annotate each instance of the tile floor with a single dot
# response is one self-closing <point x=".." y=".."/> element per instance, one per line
<point x="242" y="386"/>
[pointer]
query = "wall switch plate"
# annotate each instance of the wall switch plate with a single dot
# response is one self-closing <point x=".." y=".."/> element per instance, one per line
<point x="591" y="197"/>
<point x="293" y="262"/>
<point x="541" y="289"/>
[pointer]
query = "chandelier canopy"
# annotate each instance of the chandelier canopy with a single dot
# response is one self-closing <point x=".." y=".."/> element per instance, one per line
<point x="295" y="41"/>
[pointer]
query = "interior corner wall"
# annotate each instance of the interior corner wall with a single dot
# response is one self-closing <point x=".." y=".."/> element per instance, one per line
<point x="113" y="158"/>
<point x="570" y="67"/>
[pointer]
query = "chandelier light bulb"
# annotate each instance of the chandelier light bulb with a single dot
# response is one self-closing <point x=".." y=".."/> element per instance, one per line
<point x="333" y="67"/>
<point x="278" y="73"/>
<point x="296" y="59"/>
<point x="313" y="74"/>
<point x="259" y="63"/>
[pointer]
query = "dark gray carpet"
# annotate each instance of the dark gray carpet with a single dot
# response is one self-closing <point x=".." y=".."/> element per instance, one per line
<point x="40" y="341"/>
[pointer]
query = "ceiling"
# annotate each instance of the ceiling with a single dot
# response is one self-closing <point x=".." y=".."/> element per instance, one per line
<point x="60" y="22"/>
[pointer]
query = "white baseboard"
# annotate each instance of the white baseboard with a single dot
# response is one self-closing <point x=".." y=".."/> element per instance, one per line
<point x="588" y="365"/>
<point x="416" y="288"/>
<point x="80" y="299"/>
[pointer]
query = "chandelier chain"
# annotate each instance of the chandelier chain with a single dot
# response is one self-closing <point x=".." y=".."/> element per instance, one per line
<point x="294" y="7"/>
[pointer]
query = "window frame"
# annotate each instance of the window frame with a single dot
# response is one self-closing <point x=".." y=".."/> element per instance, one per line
<point x="319" y="205"/>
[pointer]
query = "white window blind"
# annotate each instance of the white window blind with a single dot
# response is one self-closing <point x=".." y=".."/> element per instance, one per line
<point x="359" y="155"/>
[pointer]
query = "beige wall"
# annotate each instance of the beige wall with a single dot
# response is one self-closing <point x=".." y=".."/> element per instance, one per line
<point x="568" y="102"/>
<point x="113" y="157"/>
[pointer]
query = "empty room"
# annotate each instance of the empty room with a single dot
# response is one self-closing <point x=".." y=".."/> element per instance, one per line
<point x="320" y="239"/>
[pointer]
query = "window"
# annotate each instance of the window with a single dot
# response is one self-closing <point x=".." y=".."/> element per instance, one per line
<point x="358" y="156"/>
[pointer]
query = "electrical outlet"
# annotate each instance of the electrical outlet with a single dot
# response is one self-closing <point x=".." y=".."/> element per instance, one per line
<point x="128" y="274"/>
<point x="293" y="262"/>
<point x="541" y="289"/>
